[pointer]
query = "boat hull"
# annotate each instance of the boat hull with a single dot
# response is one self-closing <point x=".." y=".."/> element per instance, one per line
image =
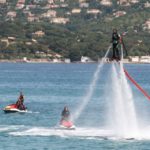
<point x="67" y="128"/>
<point x="13" y="109"/>
<point x="66" y="125"/>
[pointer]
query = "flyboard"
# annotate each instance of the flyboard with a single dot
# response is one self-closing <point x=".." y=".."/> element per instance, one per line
<point x="12" y="108"/>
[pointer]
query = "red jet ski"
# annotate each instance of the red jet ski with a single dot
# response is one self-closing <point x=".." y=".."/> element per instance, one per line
<point x="68" y="125"/>
<point x="13" y="108"/>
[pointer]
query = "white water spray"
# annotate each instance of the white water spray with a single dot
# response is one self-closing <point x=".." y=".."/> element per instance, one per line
<point x="122" y="109"/>
<point x="91" y="88"/>
<point x="122" y="112"/>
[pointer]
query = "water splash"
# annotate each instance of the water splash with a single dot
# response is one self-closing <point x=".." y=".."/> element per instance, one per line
<point x="91" y="89"/>
<point x="86" y="133"/>
<point x="122" y="113"/>
<point x="80" y="132"/>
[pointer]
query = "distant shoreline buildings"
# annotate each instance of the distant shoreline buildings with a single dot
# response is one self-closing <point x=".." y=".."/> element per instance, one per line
<point x="84" y="60"/>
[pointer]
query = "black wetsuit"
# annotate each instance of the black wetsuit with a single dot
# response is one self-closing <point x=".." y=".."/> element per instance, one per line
<point x="115" y="42"/>
<point x="65" y="115"/>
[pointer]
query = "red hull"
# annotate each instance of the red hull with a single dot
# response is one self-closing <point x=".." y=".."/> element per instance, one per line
<point x="67" y="124"/>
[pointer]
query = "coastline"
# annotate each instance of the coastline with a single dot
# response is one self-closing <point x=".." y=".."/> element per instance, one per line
<point x="59" y="62"/>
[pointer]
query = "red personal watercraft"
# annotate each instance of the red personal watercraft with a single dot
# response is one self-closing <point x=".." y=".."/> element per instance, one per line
<point x="68" y="125"/>
<point x="13" y="108"/>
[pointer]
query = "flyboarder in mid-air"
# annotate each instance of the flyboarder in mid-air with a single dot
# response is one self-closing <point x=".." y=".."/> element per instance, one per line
<point x="115" y="42"/>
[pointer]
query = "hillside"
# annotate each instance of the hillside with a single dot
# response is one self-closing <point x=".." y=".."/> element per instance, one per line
<point x="71" y="28"/>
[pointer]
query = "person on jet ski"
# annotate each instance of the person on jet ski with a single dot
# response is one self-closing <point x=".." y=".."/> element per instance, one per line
<point x="115" y="42"/>
<point x="65" y="115"/>
<point x="20" y="102"/>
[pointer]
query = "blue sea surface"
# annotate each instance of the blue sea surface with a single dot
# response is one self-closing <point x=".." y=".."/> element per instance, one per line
<point x="47" y="89"/>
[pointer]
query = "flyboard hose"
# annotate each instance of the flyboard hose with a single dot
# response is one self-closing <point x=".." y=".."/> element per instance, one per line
<point x="136" y="84"/>
<point x="129" y="77"/>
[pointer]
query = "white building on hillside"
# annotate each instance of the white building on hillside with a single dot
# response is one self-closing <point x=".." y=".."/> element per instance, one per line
<point x="123" y="2"/>
<point x="145" y="59"/>
<point x="76" y="11"/>
<point x="119" y="13"/>
<point x="2" y="1"/>
<point x="81" y="1"/>
<point x="147" y="4"/>
<point x="106" y="2"/>
<point x="84" y="5"/>
<point x="135" y="59"/>
<point x="56" y="60"/>
<point x="67" y="60"/>
<point x="50" y="1"/>
<point x="49" y="14"/>
<point x="85" y="59"/>
<point x="60" y="20"/>
<point x="146" y="25"/>
<point x="134" y="1"/>
<point x="93" y="11"/>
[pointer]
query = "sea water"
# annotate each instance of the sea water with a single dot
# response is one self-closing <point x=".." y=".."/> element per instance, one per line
<point x="47" y="89"/>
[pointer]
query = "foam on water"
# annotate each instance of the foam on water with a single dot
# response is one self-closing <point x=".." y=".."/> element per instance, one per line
<point x="79" y="132"/>
<point x="33" y="112"/>
<point x="7" y="128"/>
<point x="85" y="133"/>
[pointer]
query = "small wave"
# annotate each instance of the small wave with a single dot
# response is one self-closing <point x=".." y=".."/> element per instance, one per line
<point x="32" y="112"/>
<point x="38" y="131"/>
<point x="80" y="132"/>
<point x="4" y="128"/>
<point x="83" y="133"/>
